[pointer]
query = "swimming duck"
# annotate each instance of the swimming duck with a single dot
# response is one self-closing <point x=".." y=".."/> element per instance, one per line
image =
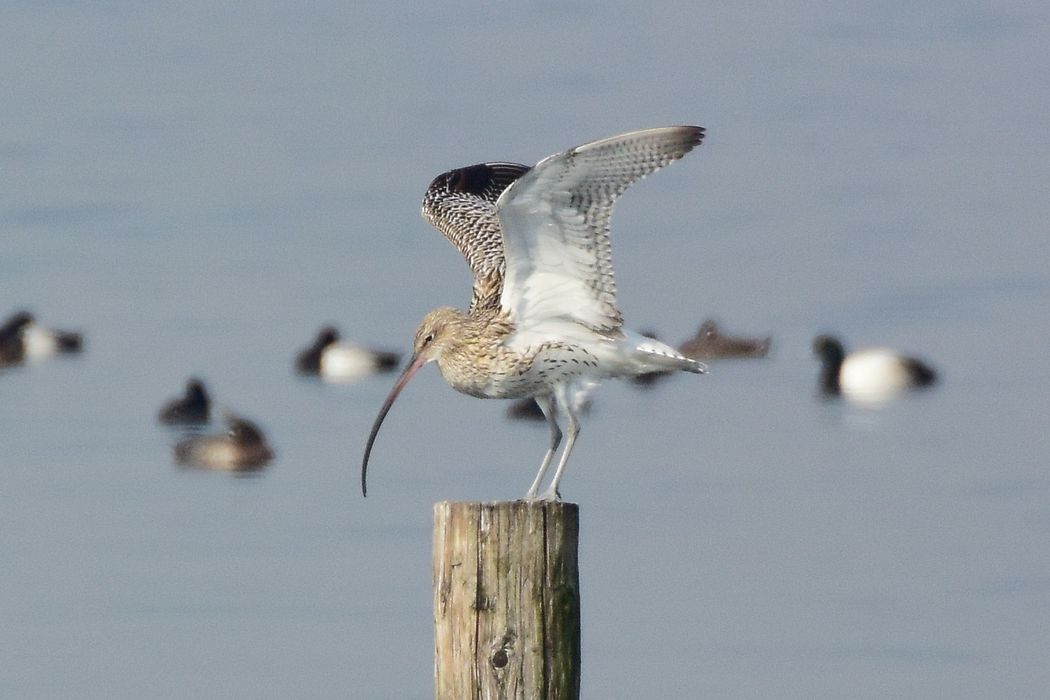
<point x="23" y="339"/>
<point x="337" y="361"/>
<point x="242" y="447"/>
<point x="873" y="374"/>
<point x="711" y="343"/>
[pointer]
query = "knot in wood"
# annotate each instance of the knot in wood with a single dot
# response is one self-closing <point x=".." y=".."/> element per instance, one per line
<point x="502" y="647"/>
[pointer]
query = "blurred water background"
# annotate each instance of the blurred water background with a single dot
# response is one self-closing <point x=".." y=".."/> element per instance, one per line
<point x="199" y="186"/>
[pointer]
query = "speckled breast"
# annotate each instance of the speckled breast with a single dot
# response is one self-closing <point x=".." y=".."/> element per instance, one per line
<point x="512" y="375"/>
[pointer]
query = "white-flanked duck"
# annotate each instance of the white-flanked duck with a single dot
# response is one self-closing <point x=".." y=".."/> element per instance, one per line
<point x="337" y="361"/>
<point x="22" y="339"/>
<point x="873" y="374"/>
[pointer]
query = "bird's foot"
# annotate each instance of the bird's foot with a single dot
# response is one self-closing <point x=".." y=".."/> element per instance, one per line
<point x="548" y="495"/>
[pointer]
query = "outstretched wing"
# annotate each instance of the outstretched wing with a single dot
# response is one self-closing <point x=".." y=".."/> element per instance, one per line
<point x="462" y="205"/>
<point x="555" y="223"/>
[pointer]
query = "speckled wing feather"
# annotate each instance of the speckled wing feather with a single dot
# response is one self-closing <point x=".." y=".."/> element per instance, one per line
<point x="555" y="222"/>
<point x="462" y="205"/>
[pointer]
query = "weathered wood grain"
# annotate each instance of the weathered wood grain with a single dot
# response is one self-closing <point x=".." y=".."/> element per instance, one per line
<point x="506" y="600"/>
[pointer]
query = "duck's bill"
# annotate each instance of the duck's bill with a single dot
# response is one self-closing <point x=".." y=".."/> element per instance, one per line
<point x="414" y="364"/>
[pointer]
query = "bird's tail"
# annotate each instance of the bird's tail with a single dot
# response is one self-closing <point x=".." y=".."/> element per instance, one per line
<point x="651" y="355"/>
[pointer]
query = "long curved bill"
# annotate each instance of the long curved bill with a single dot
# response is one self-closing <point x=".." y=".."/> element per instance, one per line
<point x="414" y="364"/>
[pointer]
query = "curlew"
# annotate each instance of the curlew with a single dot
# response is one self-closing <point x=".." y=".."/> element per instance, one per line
<point x="543" y="320"/>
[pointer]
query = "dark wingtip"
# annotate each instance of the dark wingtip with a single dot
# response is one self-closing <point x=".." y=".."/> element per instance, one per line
<point x="473" y="179"/>
<point x="485" y="180"/>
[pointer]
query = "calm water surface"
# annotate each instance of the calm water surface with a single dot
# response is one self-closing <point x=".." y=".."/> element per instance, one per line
<point x="199" y="188"/>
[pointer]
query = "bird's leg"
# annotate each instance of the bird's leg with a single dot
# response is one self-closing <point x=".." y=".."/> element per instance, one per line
<point x="546" y="404"/>
<point x="573" y="428"/>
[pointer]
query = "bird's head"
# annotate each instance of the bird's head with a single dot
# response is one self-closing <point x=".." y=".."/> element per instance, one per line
<point x="831" y="354"/>
<point x="434" y="334"/>
<point x="17" y="323"/>
<point x="326" y="336"/>
<point x="708" y="330"/>
<point x="195" y="390"/>
<point x="244" y="432"/>
<point x="829" y="349"/>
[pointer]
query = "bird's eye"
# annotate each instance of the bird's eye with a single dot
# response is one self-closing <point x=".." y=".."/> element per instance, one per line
<point x="427" y="340"/>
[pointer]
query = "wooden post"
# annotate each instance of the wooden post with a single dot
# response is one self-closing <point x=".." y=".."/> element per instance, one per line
<point x="506" y="600"/>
